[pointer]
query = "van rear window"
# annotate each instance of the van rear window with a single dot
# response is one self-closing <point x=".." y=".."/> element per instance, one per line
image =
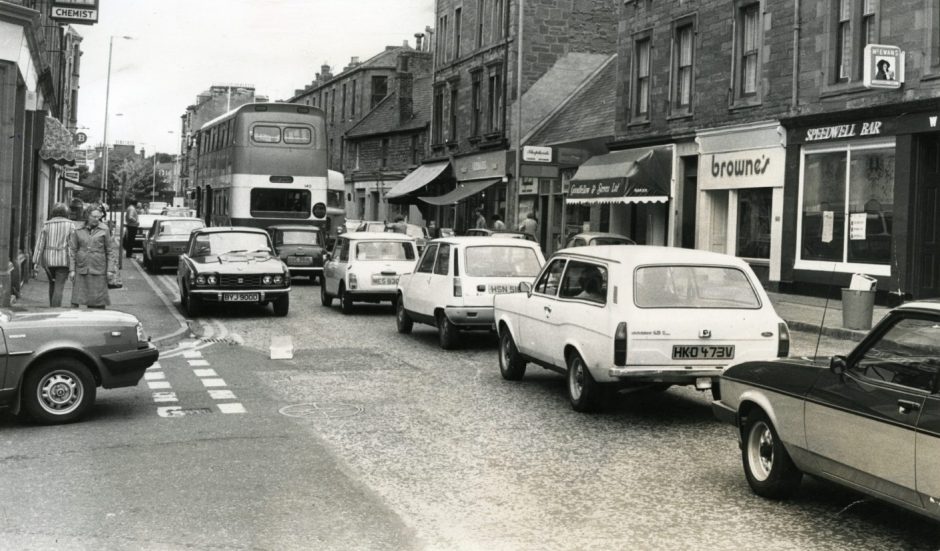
<point x="693" y="287"/>
<point x="501" y="261"/>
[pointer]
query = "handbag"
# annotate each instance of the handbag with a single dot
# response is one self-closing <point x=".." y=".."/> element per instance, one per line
<point x="115" y="281"/>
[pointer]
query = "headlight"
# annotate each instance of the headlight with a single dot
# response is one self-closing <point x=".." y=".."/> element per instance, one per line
<point x="200" y="280"/>
<point x="278" y="279"/>
<point x="212" y="279"/>
<point x="163" y="250"/>
<point x="140" y="333"/>
<point x="266" y="280"/>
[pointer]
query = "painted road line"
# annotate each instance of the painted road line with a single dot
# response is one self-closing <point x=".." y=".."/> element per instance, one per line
<point x="205" y="373"/>
<point x="213" y="382"/>
<point x="197" y="363"/>
<point x="161" y="397"/>
<point x="154" y="376"/>
<point x="169" y="411"/>
<point x="155" y="367"/>
<point x="221" y="394"/>
<point x="192" y="354"/>
<point x="159" y="385"/>
<point x="166" y="302"/>
<point x="234" y="407"/>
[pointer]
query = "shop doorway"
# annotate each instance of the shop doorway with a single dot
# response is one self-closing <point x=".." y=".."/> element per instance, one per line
<point x="718" y="222"/>
<point x="927" y="218"/>
<point x="689" y="195"/>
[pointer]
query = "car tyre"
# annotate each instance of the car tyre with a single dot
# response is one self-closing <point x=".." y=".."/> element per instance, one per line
<point x="583" y="391"/>
<point x="59" y="390"/>
<point x="447" y="333"/>
<point x="325" y="298"/>
<point x="345" y="300"/>
<point x="192" y="306"/>
<point x="511" y="365"/>
<point x="403" y="321"/>
<point x="769" y="470"/>
<point x="281" y="306"/>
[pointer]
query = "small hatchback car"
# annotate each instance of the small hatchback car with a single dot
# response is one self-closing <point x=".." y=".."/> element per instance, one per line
<point x="453" y="285"/>
<point x="301" y="248"/>
<point x="614" y="316"/>
<point x="365" y="267"/>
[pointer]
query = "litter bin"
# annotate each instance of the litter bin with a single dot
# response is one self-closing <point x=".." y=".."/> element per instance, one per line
<point x="857" y="308"/>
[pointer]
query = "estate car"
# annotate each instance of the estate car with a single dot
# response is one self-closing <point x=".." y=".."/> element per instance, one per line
<point x="365" y="267"/>
<point x="614" y="316"/>
<point x="166" y="240"/>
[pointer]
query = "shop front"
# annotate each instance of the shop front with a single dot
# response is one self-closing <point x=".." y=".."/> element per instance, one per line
<point x="865" y="192"/>
<point x="480" y="183"/>
<point x="740" y="199"/>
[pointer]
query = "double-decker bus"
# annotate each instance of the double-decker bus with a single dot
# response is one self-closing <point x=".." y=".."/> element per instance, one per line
<point x="335" y="205"/>
<point x="263" y="164"/>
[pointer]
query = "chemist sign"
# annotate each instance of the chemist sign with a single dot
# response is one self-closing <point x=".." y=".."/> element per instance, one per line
<point x="78" y="12"/>
<point x="884" y="67"/>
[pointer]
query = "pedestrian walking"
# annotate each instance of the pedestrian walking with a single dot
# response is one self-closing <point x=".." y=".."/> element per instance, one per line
<point x="52" y="252"/>
<point x="498" y="224"/>
<point x="480" y="221"/>
<point x="432" y="230"/>
<point x="91" y="261"/>
<point x="131" y="223"/>
<point x="530" y="225"/>
<point x="399" y="225"/>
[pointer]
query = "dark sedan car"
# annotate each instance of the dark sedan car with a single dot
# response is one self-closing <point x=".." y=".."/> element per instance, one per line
<point x="166" y="240"/>
<point x="232" y="265"/>
<point x="301" y="248"/>
<point x="52" y="361"/>
<point x="871" y="421"/>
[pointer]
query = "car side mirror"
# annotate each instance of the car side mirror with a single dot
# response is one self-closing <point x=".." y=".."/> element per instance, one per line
<point x="525" y="287"/>
<point x="838" y="365"/>
<point x="327" y="257"/>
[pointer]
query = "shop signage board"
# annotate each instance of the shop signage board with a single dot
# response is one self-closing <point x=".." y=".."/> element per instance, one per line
<point x="528" y="186"/>
<point x="76" y="12"/>
<point x="858" y="223"/>
<point x="884" y="67"/>
<point x="71" y="176"/>
<point x="743" y="169"/>
<point x="871" y="128"/>
<point x="536" y="154"/>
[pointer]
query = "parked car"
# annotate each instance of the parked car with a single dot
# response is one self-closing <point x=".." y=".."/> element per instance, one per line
<point x="593" y="239"/>
<point x="54" y="360"/>
<point x="871" y="421"/>
<point x="300" y="247"/>
<point x="181" y="212"/>
<point x="232" y="265"/>
<point x="146" y="222"/>
<point x="484" y="232"/>
<point x="372" y="226"/>
<point x="453" y="285"/>
<point x="365" y="267"/>
<point x="166" y="240"/>
<point x="612" y="316"/>
<point x="156" y="207"/>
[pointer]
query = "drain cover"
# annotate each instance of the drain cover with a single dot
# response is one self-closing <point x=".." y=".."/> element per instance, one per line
<point x="328" y="411"/>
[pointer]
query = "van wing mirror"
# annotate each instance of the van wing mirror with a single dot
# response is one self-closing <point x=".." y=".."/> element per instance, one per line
<point x="838" y="365"/>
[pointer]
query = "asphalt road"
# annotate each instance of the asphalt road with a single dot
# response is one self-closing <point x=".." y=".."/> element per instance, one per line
<point x="368" y="439"/>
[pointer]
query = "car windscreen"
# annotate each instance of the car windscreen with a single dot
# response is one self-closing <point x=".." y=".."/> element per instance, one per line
<point x="598" y="241"/>
<point x="180" y="227"/>
<point x="300" y="237"/>
<point x="694" y="287"/>
<point x="229" y="242"/>
<point x="501" y="261"/>
<point x="385" y="250"/>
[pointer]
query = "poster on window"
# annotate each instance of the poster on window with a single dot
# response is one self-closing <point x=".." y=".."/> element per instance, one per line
<point x="829" y="219"/>
<point x="858" y="222"/>
<point x="884" y="66"/>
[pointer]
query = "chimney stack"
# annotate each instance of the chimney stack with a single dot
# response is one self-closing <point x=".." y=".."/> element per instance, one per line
<point x="405" y="89"/>
<point x="418" y="38"/>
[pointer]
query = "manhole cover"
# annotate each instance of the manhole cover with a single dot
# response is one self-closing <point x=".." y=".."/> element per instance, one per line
<point x="328" y="411"/>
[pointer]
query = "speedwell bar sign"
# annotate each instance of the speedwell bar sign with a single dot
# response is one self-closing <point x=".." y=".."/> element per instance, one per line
<point x="79" y="12"/>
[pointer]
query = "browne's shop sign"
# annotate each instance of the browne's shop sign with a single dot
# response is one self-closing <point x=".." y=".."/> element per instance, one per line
<point x="743" y="169"/>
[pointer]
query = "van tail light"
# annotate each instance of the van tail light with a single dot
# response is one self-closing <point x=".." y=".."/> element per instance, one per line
<point x="783" y="340"/>
<point x="620" y="345"/>
<point x="353" y="282"/>
<point x="458" y="287"/>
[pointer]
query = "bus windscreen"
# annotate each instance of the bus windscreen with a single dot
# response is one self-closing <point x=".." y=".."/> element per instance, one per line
<point x="280" y="203"/>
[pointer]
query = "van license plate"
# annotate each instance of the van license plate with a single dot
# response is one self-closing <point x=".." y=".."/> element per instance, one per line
<point x="702" y="352"/>
<point x="241" y="297"/>
<point x="299" y="260"/>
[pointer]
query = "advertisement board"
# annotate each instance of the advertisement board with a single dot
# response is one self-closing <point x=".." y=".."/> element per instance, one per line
<point x="76" y="12"/>
<point x="884" y="66"/>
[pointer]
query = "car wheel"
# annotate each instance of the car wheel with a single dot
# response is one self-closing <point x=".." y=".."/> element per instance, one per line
<point x="58" y="391"/>
<point x="403" y="321"/>
<point x="345" y="300"/>
<point x="511" y="364"/>
<point x="325" y="298"/>
<point x="583" y="391"/>
<point x="192" y="306"/>
<point x="769" y="470"/>
<point x="446" y="332"/>
<point x="281" y="306"/>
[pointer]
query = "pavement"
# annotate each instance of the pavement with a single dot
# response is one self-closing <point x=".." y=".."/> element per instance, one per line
<point x="819" y="315"/>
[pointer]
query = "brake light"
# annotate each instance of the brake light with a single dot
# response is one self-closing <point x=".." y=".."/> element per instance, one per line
<point x="620" y="344"/>
<point x="458" y="287"/>
<point x="353" y="281"/>
<point x="783" y="340"/>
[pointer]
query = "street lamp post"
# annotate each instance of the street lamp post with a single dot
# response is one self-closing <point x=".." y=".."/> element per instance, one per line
<point x="104" y="173"/>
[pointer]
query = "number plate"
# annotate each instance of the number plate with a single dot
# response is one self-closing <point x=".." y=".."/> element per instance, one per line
<point x="178" y="249"/>
<point x="384" y="280"/>
<point x="501" y="289"/>
<point x="299" y="260"/>
<point x="702" y="352"/>
<point x="241" y="297"/>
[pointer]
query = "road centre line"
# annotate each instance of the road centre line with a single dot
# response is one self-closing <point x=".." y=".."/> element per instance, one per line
<point x="158" y="385"/>
<point x="154" y="376"/>
<point x="221" y="394"/>
<point x="197" y="363"/>
<point x="233" y="407"/>
<point x="163" y="397"/>
<point x="213" y="382"/>
<point x="205" y="373"/>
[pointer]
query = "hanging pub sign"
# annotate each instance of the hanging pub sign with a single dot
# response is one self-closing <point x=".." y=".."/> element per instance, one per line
<point x="884" y="67"/>
<point x="76" y="12"/>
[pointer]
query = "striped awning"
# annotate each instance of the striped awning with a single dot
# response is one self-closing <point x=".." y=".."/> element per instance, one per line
<point x="57" y="143"/>
<point x="417" y="179"/>
<point x="629" y="176"/>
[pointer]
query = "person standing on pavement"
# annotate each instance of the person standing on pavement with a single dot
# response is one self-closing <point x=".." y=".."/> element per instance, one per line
<point x="91" y="261"/>
<point x="530" y="225"/>
<point x="480" y="222"/>
<point x="131" y="223"/>
<point x="498" y="224"/>
<point x="399" y="226"/>
<point x="52" y="252"/>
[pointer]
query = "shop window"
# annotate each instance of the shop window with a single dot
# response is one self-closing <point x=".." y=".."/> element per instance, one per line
<point x="754" y="213"/>
<point x="847" y="205"/>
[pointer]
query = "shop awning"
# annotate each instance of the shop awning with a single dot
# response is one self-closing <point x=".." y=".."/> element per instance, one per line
<point x="57" y="143"/>
<point x="417" y="179"/>
<point x="629" y="176"/>
<point x="463" y="190"/>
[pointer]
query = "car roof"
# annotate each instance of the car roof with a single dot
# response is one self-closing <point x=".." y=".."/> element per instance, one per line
<point x="484" y="239"/>
<point x="593" y="234"/>
<point x="652" y="254"/>
<point x="227" y="229"/>
<point x="294" y="227"/>
<point x="376" y="236"/>
<point x="923" y="304"/>
<point x="178" y="219"/>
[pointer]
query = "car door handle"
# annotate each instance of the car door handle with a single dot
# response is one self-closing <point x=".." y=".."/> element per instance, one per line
<point x="906" y="406"/>
<point x="548" y="310"/>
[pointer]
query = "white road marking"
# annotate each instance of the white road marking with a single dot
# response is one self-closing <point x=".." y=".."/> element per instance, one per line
<point x="231" y="408"/>
<point x="192" y="354"/>
<point x="154" y="376"/>
<point x="213" y="382"/>
<point x="165" y="397"/>
<point x="154" y="367"/>
<point x="197" y="363"/>
<point x="221" y="394"/>
<point x="158" y="385"/>
<point x="205" y="373"/>
<point x="169" y="411"/>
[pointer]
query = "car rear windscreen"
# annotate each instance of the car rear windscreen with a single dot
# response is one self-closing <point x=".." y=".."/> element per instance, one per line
<point x="180" y="227"/>
<point x="385" y="250"/>
<point x="300" y="237"/>
<point x="693" y="287"/>
<point x="501" y="261"/>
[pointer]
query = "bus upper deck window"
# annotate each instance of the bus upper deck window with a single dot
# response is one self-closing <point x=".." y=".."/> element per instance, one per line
<point x="265" y="134"/>
<point x="296" y="135"/>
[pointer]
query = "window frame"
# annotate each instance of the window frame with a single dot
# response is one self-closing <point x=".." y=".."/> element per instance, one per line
<point x="680" y="25"/>
<point x="452" y="113"/>
<point x="544" y="274"/>
<point x="439" y="257"/>
<point x="495" y="102"/>
<point x="636" y="97"/>
<point x="858" y="355"/>
<point x="430" y="250"/>
<point x="561" y="284"/>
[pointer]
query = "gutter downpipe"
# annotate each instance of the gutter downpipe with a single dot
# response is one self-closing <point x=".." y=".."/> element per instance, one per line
<point x="795" y="91"/>
<point x="513" y="192"/>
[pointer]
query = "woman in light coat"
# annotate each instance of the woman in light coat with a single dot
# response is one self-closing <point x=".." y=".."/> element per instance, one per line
<point x="92" y="259"/>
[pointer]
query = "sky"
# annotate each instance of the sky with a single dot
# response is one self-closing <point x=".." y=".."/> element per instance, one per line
<point x="179" y="48"/>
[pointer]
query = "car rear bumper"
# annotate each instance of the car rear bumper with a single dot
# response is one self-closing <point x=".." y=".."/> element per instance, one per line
<point x="166" y="258"/>
<point x="126" y="368"/>
<point x="666" y="374"/>
<point x="470" y="316"/>
<point x="374" y="296"/>
<point x="724" y="413"/>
